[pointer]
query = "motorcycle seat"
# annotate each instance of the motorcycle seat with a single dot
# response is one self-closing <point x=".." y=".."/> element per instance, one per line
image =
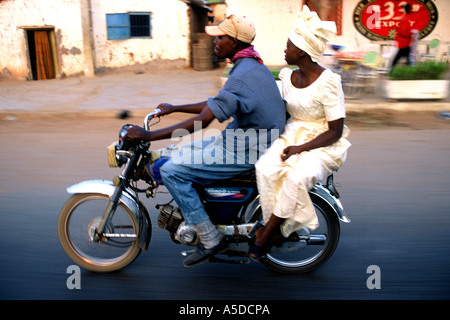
<point x="245" y="176"/>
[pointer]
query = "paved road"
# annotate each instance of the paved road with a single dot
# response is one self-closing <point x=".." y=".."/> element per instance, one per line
<point x="395" y="188"/>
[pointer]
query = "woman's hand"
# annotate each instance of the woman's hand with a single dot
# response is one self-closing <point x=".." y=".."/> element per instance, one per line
<point x="291" y="150"/>
<point x="333" y="134"/>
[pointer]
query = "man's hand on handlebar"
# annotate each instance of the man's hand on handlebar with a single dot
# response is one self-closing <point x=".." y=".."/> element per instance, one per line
<point x="136" y="132"/>
<point x="165" y="108"/>
<point x="203" y="113"/>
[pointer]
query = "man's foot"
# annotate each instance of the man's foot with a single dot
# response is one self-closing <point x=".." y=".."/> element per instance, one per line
<point x="257" y="253"/>
<point x="201" y="254"/>
<point x="264" y="237"/>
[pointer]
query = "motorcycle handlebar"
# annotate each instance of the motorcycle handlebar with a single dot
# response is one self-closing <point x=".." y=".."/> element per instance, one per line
<point x="150" y="116"/>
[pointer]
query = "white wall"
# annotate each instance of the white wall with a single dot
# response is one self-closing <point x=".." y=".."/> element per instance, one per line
<point x="170" y="30"/>
<point x="17" y="14"/>
<point x="170" y="33"/>
<point x="273" y="21"/>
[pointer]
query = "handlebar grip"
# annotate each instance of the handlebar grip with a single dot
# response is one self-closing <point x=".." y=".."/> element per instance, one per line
<point x="149" y="116"/>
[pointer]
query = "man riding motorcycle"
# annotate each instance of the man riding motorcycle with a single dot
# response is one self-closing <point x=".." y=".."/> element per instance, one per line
<point x="251" y="97"/>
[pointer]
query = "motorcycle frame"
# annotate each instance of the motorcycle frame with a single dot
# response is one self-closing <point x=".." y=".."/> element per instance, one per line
<point x="128" y="198"/>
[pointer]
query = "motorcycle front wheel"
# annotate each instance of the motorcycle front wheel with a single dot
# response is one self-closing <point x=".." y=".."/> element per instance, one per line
<point x="77" y="224"/>
<point x="307" y="255"/>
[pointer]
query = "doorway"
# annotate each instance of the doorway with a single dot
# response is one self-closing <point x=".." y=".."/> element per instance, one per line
<point x="42" y="53"/>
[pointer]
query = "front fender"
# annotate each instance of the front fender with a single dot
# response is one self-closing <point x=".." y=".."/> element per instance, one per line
<point x="106" y="187"/>
<point x="323" y="193"/>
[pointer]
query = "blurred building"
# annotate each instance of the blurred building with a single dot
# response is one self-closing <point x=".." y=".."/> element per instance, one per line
<point x="48" y="39"/>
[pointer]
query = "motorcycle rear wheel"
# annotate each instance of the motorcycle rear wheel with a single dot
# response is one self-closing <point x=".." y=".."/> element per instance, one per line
<point x="77" y="224"/>
<point x="312" y="256"/>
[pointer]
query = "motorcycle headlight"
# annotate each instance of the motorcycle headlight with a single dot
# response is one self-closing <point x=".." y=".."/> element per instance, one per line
<point x="111" y="149"/>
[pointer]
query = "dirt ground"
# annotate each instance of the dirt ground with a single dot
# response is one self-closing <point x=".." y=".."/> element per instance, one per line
<point x="58" y="129"/>
<point x="37" y="105"/>
<point x="417" y="120"/>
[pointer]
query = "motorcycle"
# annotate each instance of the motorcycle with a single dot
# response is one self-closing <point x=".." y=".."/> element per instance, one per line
<point x="104" y="226"/>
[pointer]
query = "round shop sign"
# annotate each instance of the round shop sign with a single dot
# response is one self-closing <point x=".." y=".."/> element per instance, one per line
<point x="379" y="19"/>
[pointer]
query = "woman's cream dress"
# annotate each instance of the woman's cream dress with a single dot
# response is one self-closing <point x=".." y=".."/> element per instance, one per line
<point x="284" y="186"/>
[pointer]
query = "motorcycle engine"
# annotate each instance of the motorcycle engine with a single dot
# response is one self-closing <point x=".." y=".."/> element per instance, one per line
<point x="186" y="235"/>
<point x="169" y="218"/>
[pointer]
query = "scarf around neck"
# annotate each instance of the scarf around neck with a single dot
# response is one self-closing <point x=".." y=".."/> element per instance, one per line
<point x="249" y="52"/>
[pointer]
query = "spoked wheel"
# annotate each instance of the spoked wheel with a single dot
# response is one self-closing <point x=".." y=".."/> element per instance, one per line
<point x="78" y="221"/>
<point x="307" y="250"/>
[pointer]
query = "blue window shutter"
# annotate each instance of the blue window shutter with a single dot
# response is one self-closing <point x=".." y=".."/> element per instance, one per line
<point x="118" y="26"/>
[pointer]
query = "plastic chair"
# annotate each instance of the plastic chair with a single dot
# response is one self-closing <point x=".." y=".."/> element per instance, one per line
<point x="446" y="56"/>
<point x="431" y="50"/>
<point x="372" y="59"/>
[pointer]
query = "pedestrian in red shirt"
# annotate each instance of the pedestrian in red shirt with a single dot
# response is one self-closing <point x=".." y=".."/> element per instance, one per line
<point x="404" y="37"/>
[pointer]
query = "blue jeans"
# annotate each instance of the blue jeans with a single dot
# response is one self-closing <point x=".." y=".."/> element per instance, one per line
<point x="180" y="178"/>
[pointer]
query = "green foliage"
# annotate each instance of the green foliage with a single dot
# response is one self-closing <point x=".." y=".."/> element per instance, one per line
<point x="208" y="2"/>
<point x="430" y="70"/>
<point x="275" y="73"/>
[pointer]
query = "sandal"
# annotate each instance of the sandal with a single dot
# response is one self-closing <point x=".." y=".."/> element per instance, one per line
<point x="257" y="253"/>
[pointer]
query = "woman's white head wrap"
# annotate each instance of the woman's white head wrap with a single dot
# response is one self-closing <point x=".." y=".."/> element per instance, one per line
<point x="311" y="34"/>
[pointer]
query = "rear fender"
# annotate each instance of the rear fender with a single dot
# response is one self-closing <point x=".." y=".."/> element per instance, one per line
<point x="318" y="190"/>
<point x="106" y="187"/>
<point x="323" y="193"/>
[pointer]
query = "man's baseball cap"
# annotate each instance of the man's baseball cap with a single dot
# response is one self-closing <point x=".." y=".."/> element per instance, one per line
<point x="240" y="28"/>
